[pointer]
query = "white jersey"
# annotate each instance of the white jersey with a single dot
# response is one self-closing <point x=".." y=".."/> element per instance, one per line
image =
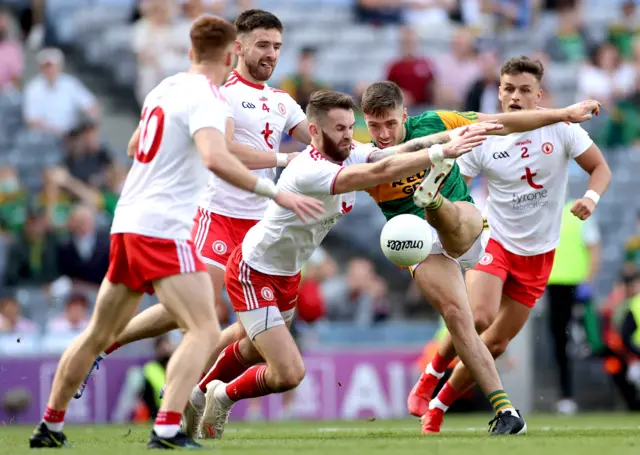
<point x="162" y="190"/>
<point x="260" y="115"/>
<point x="281" y="244"/>
<point x="527" y="177"/>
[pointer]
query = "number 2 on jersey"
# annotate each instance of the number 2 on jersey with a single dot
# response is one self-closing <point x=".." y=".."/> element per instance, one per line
<point x="525" y="152"/>
<point x="151" y="131"/>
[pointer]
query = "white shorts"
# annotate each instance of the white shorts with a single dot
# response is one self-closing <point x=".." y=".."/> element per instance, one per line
<point x="262" y="319"/>
<point x="470" y="258"/>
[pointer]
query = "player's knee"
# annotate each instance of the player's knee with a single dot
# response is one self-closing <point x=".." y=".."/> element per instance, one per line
<point x="99" y="337"/>
<point x="497" y="346"/>
<point x="458" y="321"/>
<point x="482" y="320"/>
<point x="289" y="377"/>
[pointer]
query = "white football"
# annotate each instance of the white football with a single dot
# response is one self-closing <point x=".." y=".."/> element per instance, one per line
<point x="406" y="240"/>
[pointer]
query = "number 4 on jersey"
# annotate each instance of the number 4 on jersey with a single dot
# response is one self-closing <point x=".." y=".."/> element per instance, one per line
<point x="151" y="131"/>
<point x="265" y="107"/>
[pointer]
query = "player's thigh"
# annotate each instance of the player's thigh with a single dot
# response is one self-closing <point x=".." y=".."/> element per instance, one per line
<point x="469" y="229"/>
<point x="441" y="282"/>
<point x="188" y="298"/>
<point x="485" y="292"/>
<point x="115" y="306"/>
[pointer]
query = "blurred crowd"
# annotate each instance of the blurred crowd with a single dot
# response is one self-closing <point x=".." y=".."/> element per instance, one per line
<point x="55" y="209"/>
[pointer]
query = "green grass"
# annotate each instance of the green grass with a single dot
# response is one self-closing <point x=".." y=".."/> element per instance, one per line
<point x="594" y="434"/>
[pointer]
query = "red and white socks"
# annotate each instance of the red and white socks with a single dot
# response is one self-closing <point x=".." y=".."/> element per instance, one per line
<point x="251" y="384"/>
<point x="54" y="420"/>
<point x="167" y="424"/>
<point x="446" y="397"/>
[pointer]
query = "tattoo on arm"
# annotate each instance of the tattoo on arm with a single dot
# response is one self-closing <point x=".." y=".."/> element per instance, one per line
<point x="411" y="146"/>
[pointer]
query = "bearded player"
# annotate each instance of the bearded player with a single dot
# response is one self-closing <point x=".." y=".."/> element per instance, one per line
<point x="263" y="274"/>
<point x="259" y="115"/>
<point x="527" y="177"/>
<point x="181" y="135"/>
<point x="441" y="196"/>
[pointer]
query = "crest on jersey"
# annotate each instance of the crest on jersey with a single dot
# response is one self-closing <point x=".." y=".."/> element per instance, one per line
<point x="547" y="148"/>
<point x="282" y="109"/>
<point x="219" y="247"/>
<point x="266" y="294"/>
<point x="486" y="259"/>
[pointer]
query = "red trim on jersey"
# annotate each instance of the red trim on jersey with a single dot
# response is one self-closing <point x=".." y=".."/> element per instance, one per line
<point x="335" y="179"/>
<point x="231" y="81"/>
<point x="317" y="156"/>
<point x="248" y="83"/>
<point x="275" y="90"/>
<point x="293" y="129"/>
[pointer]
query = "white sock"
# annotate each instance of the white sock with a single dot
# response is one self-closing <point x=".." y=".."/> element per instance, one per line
<point x="222" y="397"/>
<point x="513" y="411"/>
<point x="431" y="371"/>
<point x="198" y="398"/>
<point x="55" y="427"/>
<point x="166" y="431"/>
<point x="435" y="403"/>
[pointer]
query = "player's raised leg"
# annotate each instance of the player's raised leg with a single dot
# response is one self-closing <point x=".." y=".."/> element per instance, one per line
<point x="441" y="282"/>
<point x="504" y="324"/>
<point x="115" y="306"/>
<point x="188" y="299"/>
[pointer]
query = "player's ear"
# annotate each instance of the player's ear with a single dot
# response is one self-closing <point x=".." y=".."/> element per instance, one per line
<point x="313" y="129"/>
<point x="238" y="48"/>
<point x="539" y="97"/>
<point x="405" y="115"/>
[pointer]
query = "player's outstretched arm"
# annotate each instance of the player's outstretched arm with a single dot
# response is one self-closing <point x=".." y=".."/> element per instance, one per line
<point x="433" y="139"/>
<point x="528" y="120"/>
<point x="593" y="162"/>
<point x="252" y="158"/>
<point x="212" y="146"/>
<point x="401" y="165"/>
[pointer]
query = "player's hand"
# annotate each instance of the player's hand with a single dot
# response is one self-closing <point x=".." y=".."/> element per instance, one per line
<point x="582" y="111"/>
<point x="583" y="208"/>
<point x="302" y="206"/>
<point x="465" y="141"/>
<point x="291" y="156"/>
<point x="482" y="127"/>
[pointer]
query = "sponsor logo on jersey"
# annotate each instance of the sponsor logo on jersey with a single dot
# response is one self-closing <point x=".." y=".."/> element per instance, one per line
<point x="219" y="247"/>
<point x="500" y="155"/>
<point x="547" y="148"/>
<point x="527" y="142"/>
<point x="528" y="176"/>
<point x="529" y="201"/>
<point x="266" y="294"/>
<point x="264" y="99"/>
<point x="248" y="105"/>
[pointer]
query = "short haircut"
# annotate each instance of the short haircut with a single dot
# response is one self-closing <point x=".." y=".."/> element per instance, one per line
<point x="519" y="65"/>
<point x="322" y="101"/>
<point x="210" y="36"/>
<point x="381" y="97"/>
<point x="253" y="19"/>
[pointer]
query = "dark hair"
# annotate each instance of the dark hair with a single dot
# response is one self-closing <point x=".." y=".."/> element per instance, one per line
<point x="210" y="36"/>
<point x="381" y="97"/>
<point x="519" y="65"/>
<point x="253" y="19"/>
<point x="322" y="101"/>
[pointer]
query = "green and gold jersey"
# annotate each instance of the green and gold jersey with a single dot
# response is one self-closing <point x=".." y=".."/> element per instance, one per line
<point x="397" y="198"/>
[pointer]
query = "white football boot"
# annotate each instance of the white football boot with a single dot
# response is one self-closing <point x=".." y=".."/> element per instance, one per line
<point x="216" y="413"/>
<point x="430" y="186"/>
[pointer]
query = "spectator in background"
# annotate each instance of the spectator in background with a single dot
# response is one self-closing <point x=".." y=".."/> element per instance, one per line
<point x="11" y="56"/>
<point x="155" y="372"/>
<point x="32" y="258"/>
<point x="359" y="296"/>
<point x="483" y="95"/>
<point x="378" y="12"/>
<point x="85" y="256"/>
<point x="413" y="72"/>
<point x="87" y="157"/>
<point x="13" y="200"/>
<point x="11" y="319"/>
<point x="606" y="78"/>
<point x="623" y="33"/>
<point x="457" y="70"/>
<point x="575" y="266"/>
<point x="53" y="100"/>
<point x="571" y="43"/>
<point x="427" y="13"/>
<point x="632" y="251"/>
<point x="158" y="44"/>
<point x="518" y="14"/>
<point x="54" y="200"/>
<point x="74" y="319"/>
<point x="320" y="268"/>
<point x="301" y="85"/>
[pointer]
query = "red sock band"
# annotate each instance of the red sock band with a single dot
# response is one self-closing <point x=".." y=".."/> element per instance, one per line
<point x="168" y="418"/>
<point x="229" y="366"/>
<point x="112" y="348"/>
<point x="439" y="363"/>
<point x="53" y="416"/>
<point x="448" y="395"/>
<point x="251" y="384"/>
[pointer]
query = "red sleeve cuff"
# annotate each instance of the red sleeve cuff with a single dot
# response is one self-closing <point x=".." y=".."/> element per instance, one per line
<point x="335" y="178"/>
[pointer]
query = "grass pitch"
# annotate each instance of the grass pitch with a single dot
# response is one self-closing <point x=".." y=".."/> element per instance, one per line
<point x="594" y="434"/>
